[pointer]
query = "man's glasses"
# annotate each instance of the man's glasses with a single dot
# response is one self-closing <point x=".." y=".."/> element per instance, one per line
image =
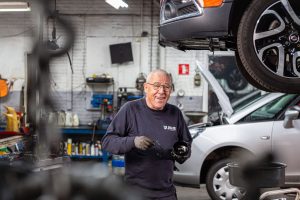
<point x="157" y="85"/>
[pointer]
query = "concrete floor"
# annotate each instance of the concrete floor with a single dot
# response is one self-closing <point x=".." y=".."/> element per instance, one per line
<point x="188" y="193"/>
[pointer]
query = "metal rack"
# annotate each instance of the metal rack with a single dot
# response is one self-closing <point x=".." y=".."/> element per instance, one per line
<point x="85" y="130"/>
<point x="293" y="192"/>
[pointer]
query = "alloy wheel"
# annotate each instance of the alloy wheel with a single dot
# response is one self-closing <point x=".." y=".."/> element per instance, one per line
<point x="276" y="39"/>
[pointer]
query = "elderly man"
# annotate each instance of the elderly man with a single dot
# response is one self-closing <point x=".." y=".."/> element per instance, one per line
<point x="146" y="130"/>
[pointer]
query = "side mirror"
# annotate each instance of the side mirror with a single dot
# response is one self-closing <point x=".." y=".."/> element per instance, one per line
<point x="290" y="115"/>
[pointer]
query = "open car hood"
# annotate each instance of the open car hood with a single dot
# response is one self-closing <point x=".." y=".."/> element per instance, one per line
<point x="222" y="97"/>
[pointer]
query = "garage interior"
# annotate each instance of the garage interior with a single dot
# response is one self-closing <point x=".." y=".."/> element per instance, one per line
<point x="67" y="67"/>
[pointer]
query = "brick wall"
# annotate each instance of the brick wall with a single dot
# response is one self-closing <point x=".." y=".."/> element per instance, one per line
<point x="95" y="20"/>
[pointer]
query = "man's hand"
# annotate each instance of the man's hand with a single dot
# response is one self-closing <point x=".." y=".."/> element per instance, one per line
<point x="143" y="142"/>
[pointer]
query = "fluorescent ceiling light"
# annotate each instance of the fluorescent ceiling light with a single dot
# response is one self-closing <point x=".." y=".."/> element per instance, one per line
<point x="117" y="3"/>
<point x="14" y="6"/>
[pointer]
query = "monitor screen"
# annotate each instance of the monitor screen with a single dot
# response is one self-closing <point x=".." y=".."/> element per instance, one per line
<point x="120" y="53"/>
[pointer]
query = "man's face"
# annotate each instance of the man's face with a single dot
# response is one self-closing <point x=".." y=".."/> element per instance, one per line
<point x="158" y="91"/>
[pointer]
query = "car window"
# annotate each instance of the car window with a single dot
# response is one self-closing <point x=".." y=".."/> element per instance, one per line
<point x="270" y="110"/>
<point x="238" y="105"/>
<point x="248" y="102"/>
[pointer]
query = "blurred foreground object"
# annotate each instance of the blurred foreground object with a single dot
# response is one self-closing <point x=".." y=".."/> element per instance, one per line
<point x="292" y="192"/>
<point x="86" y="181"/>
<point x="259" y="173"/>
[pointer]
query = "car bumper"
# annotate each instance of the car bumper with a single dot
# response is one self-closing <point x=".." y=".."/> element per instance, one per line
<point x="212" y="22"/>
<point x="186" y="178"/>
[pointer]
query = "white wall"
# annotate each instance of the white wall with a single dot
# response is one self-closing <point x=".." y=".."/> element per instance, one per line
<point x="97" y="25"/>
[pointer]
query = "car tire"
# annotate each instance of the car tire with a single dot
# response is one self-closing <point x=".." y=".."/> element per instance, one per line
<point x="268" y="45"/>
<point x="217" y="182"/>
<point x="247" y="76"/>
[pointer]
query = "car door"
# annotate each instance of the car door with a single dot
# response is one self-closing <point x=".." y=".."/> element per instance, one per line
<point x="286" y="147"/>
<point x="271" y="128"/>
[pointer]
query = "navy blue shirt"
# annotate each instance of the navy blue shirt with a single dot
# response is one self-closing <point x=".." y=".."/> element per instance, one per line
<point x="152" y="169"/>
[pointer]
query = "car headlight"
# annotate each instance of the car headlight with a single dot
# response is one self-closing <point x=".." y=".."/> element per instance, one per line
<point x="195" y="131"/>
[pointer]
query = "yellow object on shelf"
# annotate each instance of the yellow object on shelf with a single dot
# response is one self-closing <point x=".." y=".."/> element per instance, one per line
<point x="69" y="146"/>
<point x="12" y="120"/>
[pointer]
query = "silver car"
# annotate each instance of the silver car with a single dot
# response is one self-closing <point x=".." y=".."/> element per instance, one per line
<point x="264" y="34"/>
<point x="255" y="128"/>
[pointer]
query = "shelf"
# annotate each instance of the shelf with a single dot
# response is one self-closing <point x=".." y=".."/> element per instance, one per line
<point x="65" y="130"/>
<point x="81" y="131"/>
<point x="8" y="134"/>
<point x="104" y="157"/>
<point x="85" y="131"/>
<point x="95" y="83"/>
<point x="86" y="157"/>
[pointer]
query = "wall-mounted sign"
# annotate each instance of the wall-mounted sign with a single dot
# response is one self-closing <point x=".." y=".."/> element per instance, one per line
<point x="183" y="69"/>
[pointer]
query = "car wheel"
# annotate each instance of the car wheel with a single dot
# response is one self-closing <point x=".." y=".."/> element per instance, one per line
<point x="268" y="43"/>
<point x="217" y="182"/>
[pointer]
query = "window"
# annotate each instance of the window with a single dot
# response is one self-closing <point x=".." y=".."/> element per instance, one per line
<point x="247" y="101"/>
<point x="271" y="110"/>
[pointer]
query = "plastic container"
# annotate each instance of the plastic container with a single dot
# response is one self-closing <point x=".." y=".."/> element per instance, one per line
<point x="75" y="121"/>
<point x="69" y="119"/>
<point x="12" y="119"/>
<point x="69" y="146"/>
<point x="118" y="165"/>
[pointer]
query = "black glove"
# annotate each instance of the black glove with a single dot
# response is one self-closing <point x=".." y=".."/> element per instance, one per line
<point x="181" y="151"/>
<point x="143" y="142"/>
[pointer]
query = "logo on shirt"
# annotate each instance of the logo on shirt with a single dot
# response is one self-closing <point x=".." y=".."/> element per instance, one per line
<point x="170" y="128"/>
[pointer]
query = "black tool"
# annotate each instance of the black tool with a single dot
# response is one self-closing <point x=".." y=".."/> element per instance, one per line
<point x="180" y="152"/>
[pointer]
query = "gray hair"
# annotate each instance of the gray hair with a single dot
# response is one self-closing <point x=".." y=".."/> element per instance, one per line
<point x="158" y="71"/>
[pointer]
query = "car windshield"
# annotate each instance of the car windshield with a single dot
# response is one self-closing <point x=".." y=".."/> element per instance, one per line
<point x="270" y="110"/>
<point x="247" y="102"/>
<point x="237" y="105"/>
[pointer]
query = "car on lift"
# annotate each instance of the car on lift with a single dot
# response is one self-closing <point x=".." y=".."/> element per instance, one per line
<point x="253" y="130"/>
<point x="265" y="35"/>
